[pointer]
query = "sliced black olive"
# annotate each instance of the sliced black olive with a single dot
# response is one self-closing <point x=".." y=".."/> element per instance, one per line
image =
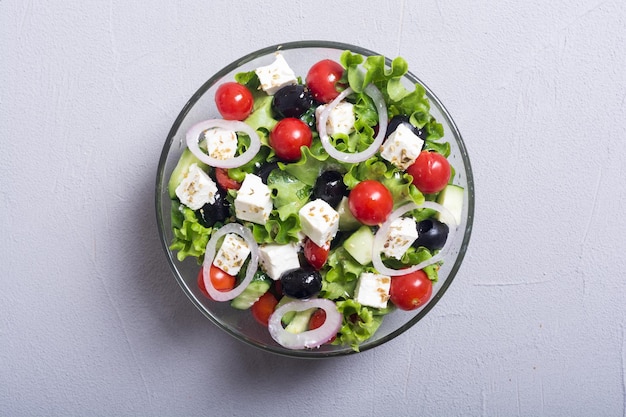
<point x="431" y="234"/>
<point x="403" y="119"/>
<point x="330" y="188"/>
<point x="301" y="283"/>
<point x="292" y="101"/>
<point x="218" y="211"/>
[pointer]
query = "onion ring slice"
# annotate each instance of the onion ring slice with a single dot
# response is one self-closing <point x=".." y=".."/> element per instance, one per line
<point x="381" y="236"/>
<point x="193" y="134"/>
<point x="209" y="255"/>
<point x="372" y="91"/>
<point x="309" y="338"/>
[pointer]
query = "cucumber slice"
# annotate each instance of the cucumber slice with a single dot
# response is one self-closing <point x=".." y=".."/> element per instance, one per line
<point x="181" y="169"/>
<point x="347" y="221"/>
<point x="359" y="245"/>
<point x="288" y="316"/>
<point x="451" y="197"/>
<point x="300" y="321"/>
<point x="259" y="285"/>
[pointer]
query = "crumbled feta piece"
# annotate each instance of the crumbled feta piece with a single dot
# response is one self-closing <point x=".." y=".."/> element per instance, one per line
<point x="196" y="189"/>
<point x="275" y="76"/>
<point x="341" y="118"/>
<point x="319" y="221"/>
<point x="372" y="290"/>
<point x="253" y="202"/>
<point x="221" y="143"/>
<point x="232" y="254"/>
<point x="402" y="234"/>
<point x="402" y="147"/>
<point x="276" y="259"/>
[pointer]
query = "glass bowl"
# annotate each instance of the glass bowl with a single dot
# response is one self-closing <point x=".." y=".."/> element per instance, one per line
<point x="240" y="324"/>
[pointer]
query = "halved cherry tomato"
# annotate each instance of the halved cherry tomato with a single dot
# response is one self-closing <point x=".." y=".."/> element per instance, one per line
<point x="410" y="291"/>
<point x="287" y="136"/>
<point x="317" y="319"/>
<point x="430" y="172"/>
<point x="322" y="80"/>
<point x="234" y="101"/>
<point x="221" y="280"/>
<point x="224" y="181"/>
<point x="263" y="308"/>
<point x="315" y="255"/>
<point x="370" y="202"/>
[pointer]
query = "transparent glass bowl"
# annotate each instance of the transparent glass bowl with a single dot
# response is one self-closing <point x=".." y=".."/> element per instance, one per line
<point x="240" y="324"/>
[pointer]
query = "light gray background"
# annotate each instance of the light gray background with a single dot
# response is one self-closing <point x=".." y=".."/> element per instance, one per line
<point x="92" y="321"/>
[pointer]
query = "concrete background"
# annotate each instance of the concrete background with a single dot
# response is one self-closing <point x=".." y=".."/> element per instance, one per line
<point x="92" y="322"/>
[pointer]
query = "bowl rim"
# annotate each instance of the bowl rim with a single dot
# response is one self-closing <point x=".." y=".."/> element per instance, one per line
<point x="470" y="188"/>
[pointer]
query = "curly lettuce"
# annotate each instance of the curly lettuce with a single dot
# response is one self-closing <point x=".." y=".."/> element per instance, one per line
<point x="359" y="323"/>
<point x="190" y="237"/>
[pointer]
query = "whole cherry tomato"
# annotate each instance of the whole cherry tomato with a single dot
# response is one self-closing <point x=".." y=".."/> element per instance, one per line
<point x="287" y="136"/>
<point x="410" y="291"/>
<point x="430" y="172"/>
<point x="370" y="202"/>
<point x="322" y="80"/>
<point x="234" y="101"/>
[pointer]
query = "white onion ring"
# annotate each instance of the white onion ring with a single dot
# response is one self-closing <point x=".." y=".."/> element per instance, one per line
<point x="209" y="255"/>
<point x="196" y="130"/>
<point x="381" y="236"/>
<point x="372" y="91"/>
<point x="309" y="338"/>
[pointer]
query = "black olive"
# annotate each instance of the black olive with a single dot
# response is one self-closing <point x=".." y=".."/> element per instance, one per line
<point x="301" y="282"/>
<point x="218" y="211"/>
<point x="431" y="234"/>
<point x="292" y="101"/>
<point x="330" y="188"/>
<point x="403" y="119"/>
<point x="265" y="169"/>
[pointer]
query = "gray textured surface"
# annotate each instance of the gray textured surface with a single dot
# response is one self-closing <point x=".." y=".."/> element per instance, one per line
<point x="92" y="321"/>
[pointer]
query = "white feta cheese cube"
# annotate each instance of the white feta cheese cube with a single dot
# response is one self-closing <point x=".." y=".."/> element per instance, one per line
<point x="275" y="76"/>
<point x="196" y="189"/>
<point x="232" y="254"/>
<point x="402" y="147"/>
<point x="341" y="119"/>
<point x="319" y="221"/>
<point x="372" y="290"/>
<point x="221" y="143"/>
<point x="402" y="234"/>
<point x="276" y="259"/>
<point x="253" y="202"/>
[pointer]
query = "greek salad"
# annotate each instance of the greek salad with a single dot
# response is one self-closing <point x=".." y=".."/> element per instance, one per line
<point x="320" y="204"/>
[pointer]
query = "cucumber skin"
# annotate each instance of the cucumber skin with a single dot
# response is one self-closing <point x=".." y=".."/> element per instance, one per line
<point x="259" y="286"/>
<point x="186" y="160"/>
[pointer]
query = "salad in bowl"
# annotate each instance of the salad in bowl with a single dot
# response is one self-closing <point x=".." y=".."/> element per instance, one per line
<point x="314" y="199"/>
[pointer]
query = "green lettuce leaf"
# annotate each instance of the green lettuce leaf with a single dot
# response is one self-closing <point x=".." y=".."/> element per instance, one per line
<point x="190" y="237"/>
<point x="359" y="323"/>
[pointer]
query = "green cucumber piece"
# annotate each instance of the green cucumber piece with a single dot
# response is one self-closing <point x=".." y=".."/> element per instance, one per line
<point x="288" y="316"/>
<point x="451" y="197"/>
<point x="300" y="321"/>
<point x="347" y="222"/>
<point x="259" y="285"/>
<point x="359" y="245"/>
<point x="181" y="169"/>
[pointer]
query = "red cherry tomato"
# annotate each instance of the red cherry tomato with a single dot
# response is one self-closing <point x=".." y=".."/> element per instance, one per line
<point x="287" y="136"/>
<point x="234" y="101"/>
<point x="370" y="202"/>
<point x="315" y="255"/>
<point x="430" y="172"/>
<point x="220" y="280"/>
<point x="263" y="308"/>
<point x="224" y="181"/>
<point x="322" y="80"/>
<point x="317" y="319"/>
<point x="410" y="291"/>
